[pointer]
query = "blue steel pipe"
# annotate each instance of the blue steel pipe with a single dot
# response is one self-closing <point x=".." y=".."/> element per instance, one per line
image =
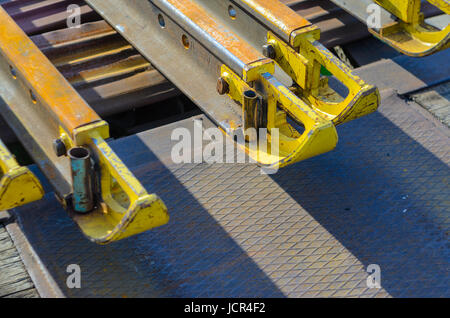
<point x="80" y="162"/>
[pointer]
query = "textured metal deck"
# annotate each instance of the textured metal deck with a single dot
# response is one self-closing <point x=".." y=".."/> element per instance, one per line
<point x="382" y="197"/>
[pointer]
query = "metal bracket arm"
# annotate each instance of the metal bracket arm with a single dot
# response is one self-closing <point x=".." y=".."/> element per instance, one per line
<point x="304" y="63"/>
<point x="411" y="35"/>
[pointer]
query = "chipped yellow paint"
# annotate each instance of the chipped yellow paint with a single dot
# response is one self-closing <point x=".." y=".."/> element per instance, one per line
<point x="303" y="65"/>
<point x="411" y="35"/>
<point x="127" y="208"/>
<point x="18" y="185"/>
<point x="320" y="135"/>
<point x="251" y="71"/>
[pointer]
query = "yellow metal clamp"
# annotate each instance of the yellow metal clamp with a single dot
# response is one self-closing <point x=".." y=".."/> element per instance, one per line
<point x="125" y="207"/>
<point x="411" y="35"/>
<point x="319" y="135"/>
<point x="303" y="63"/>
<point x="18" y="185"/>
<point x="310" y="103"/>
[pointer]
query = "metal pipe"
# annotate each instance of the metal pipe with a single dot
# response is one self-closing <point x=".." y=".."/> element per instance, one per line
<point x="249" y="109"/>
<point x="80" y="163"/>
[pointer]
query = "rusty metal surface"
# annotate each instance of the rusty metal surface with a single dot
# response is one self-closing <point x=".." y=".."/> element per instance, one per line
<point x="29" y="64"/>
<point x="337" y="26"/>
<point x="107" y="72"/>
<point x="110" y="75"/>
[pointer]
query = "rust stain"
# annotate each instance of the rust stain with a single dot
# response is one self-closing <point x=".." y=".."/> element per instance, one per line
<point x="229" y="40"/>
<point x="48" y="85"/>
<point x="279" y="15"/>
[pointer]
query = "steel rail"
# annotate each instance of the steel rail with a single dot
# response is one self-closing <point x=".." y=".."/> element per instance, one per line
<point x="109" y="94"/>
<point x="44" y="22"/>
<point x="52" y="120"/>
<point x="194" y="42"/>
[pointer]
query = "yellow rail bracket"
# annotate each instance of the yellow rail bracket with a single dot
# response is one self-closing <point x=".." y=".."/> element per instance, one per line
<point x="18" y="185"/>
<point x="100" y="193"/>
<point x="303" y="60"/>
<point x="411" y="35"/>
<point x="125" y="208"/>
<point x="285" y="144"/>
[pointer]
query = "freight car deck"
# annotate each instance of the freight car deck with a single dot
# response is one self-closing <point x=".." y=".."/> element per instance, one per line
<point x="312" y="229"/>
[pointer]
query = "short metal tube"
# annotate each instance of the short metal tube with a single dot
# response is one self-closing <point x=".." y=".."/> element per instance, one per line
<point x="249" y="108"/>
<point x="80" y="162"/>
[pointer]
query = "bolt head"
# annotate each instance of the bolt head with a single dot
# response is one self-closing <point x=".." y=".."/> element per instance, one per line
<point x="59" y="147"/>
<point x="269" y="51"/>
<point x="222" y="86"/>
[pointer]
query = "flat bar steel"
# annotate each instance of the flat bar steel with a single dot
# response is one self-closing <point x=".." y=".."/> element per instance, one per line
<point x="406" y="30"/>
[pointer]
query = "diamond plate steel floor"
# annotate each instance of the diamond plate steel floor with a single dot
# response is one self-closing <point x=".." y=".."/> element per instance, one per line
<point x="382" y="197"/>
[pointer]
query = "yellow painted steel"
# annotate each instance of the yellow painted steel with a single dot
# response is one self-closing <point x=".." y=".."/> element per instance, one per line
<point x="127" y="209"/>
<point x="18" y="185"/>
<point x="311" y="103"/>
<point x="411" y="35"/>
<point x="124" y="208"/>
<point x="303" y="64"/>
<point x="291" y="146"/>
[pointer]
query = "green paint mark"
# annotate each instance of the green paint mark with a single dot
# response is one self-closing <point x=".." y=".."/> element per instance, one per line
<point x="324" y="71"/>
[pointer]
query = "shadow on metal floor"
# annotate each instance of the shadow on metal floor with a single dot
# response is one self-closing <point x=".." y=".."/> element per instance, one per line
<point x="382" y="197"/>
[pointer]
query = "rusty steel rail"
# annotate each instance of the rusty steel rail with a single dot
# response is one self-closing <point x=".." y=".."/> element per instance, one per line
<point x="240" y="42"/>
<point x="52" y="120"/>
<point x="119" y="81"/>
